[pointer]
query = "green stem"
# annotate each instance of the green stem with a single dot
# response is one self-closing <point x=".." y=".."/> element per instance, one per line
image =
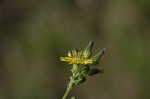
<point x="69" y="88"/>
<point x="71" y="83"/>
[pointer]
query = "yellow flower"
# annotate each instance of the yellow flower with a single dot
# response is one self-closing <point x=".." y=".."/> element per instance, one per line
<point x="77" y="57"/>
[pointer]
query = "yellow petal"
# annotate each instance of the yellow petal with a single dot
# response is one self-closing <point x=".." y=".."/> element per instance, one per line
<point x="69" y="54"/>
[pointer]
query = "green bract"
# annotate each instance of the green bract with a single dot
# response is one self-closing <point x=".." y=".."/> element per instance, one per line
<point x="88" y="50"/>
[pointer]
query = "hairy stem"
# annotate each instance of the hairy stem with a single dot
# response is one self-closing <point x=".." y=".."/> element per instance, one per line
<point x="69" y="88"/>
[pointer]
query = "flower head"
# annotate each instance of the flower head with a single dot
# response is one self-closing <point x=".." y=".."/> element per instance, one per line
<point x="77" y="57"/>
<point x="82" y="57"/>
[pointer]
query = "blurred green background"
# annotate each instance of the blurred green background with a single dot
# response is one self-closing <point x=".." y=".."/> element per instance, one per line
<point x="35" y="33"/>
